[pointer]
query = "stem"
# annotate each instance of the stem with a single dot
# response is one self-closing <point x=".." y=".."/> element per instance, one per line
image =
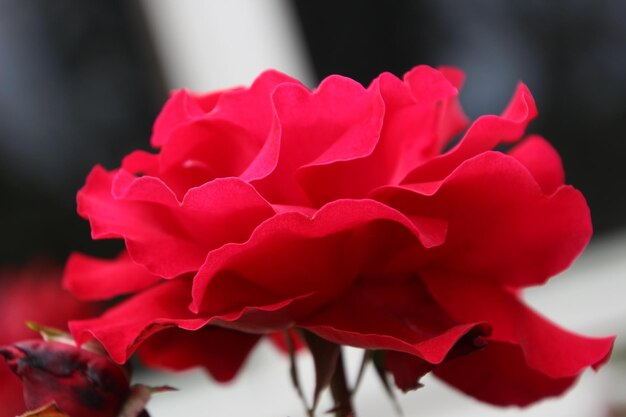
<point x="293" y="371"/>
<point x="340" y="391"/>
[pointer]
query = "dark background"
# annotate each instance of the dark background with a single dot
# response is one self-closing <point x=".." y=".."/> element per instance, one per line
<point x="80" y="84"/>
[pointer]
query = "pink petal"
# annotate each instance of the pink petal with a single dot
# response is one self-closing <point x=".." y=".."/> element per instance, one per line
<point x="542" y="160"/>
<point x="438" y="90"/>
<point x="413" y="113"/>
<point x="452" y="120"/>
<point x="136" y="320"/>
<point x="500" y="224"/>
<point x="340" y="120"/>
<point x="224" y="142"/>
<point x="182" y="107"/>
<point x="483" y="135"/>
<point x="220" y="351"/>
<point x="547" y="348"/>
<point x="91" y="278"/>
<point x="324" y="252"/>
<point x="166" y="236"/>
<point x="125" y="326"/>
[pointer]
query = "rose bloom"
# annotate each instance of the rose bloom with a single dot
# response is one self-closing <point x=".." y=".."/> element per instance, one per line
<point x="344" y="211"/>
<point x="32" y="293"/>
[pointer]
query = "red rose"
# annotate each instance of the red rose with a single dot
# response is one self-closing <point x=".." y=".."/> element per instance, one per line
<point x="33" y="293"/>
<point x="339" y="211"/>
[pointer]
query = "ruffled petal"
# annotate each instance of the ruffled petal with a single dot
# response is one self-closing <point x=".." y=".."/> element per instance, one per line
<point x="167" y="236"/>
<point x="222" y="352"/>
<point x="483" y="135"/>
<point x="543" y="162"/>
<point x="437" y="90"/>
<point x="316" y="128"/>
<point x="292" y="255"/>
<point x="224" y="142"/>
<point x="415" y="112"/>
<point x="248" y="106"/>
<point x="401" y="317"/>
<point x="546" y="347"/>
<point x="181" y="108"/>
<point x="500" y="375"/>
<point x="501" y="226"/>
<point x="90" y="278"/>
<point x="121" y="329"/>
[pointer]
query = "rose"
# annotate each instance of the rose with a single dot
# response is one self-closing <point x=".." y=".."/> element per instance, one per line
<point x="338" y="211"/>
<point x="81" y="383"/>
<point x="31" y="293"/>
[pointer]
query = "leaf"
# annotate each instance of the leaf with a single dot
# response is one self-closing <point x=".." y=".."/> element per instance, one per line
<point x="57" y="335"/>
<point x="378" y="358"/>
<point x="325" y="356"/>
<point x="48" y="410"/>
<point x="51" y="333"/>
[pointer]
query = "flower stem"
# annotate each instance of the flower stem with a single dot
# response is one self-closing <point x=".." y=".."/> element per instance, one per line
<point x="340" y="391"/>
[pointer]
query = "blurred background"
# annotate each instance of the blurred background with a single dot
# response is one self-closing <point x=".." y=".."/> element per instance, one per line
<point x="82" y="81"/>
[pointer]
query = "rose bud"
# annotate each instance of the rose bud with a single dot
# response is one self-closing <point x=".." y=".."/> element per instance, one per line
<point x="82" y="383"/>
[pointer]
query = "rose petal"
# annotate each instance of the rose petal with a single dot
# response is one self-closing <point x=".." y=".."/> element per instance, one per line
<point x="122" y="328"/>
<point x="166" y="236"/>
<point x="438" y="89"/>
<point x="324" y="252"/>
<point x="127" y="325"/>
<point x="317" y="128"/>
<point x="542" y="160"/>
<point x="483" y="135"/>
<point x="181" y="108"/>
<point x="401" y="317"/>
<point x="413" y="110"/>
<point x="501" y="225"/>
<point x="91" y="278"/>
<point x="184" y="107"/>
<point x="224" y="142"/>
<point x="220" y="351"/>
<point x="499" y="375"/>
<point x="546" y="347"/>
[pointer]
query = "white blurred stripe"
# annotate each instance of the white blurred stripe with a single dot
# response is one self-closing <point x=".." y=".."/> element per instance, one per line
<point x="212" y="44"/>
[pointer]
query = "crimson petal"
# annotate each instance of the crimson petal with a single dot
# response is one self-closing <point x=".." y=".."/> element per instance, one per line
<point x="91" y="278"/>
<point x="222" y="352"/>
<point x="501" y="225"/>
<point x="483" y="135"/>
<point x="499" y="375"/>
<point x="401" y="317"/>
<point x="167" y="236"/>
